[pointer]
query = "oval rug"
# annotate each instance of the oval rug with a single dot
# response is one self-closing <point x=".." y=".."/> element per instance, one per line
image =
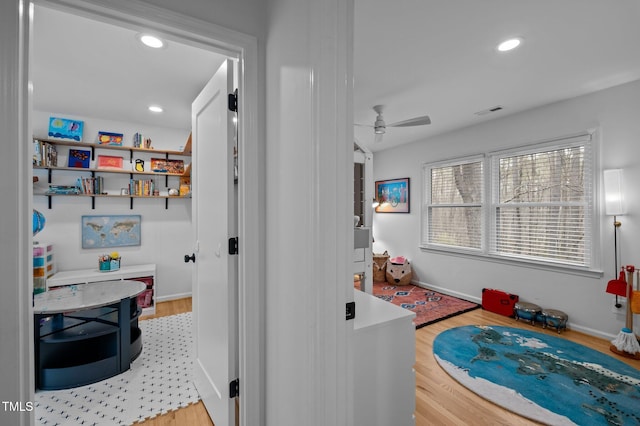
<point x="539" y="376"/>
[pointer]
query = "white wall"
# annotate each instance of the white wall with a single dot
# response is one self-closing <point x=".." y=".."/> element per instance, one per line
<point x="166" y="233"/>
<point x="16" y="320"/>
<point x="616" y="113"/>
<point x="309" y="213"/>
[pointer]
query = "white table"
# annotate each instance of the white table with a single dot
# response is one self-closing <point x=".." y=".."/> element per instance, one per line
<point x="86" y="333"/>
<point x="85" y="296"/>
<point x="145" y="273"/>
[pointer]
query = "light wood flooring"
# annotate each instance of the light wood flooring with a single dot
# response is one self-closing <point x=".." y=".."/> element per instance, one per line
<point x="440" y="400"/>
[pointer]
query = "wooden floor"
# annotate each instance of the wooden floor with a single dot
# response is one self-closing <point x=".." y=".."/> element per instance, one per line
<point x="440" y="400"/>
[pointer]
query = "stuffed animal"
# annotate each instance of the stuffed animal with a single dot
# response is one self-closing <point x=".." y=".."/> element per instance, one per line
<point x="398" y="271"/>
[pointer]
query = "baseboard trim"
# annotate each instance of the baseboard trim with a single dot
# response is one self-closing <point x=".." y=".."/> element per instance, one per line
<point x="572" y="326"/>
<point x="447" y="292"/>
<point x="172" y="297"/>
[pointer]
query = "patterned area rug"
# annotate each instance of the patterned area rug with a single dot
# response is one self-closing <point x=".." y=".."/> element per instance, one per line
<point x="539" y="376"/>
<point x="428" y="305"/>
<point x="160" y="380"/>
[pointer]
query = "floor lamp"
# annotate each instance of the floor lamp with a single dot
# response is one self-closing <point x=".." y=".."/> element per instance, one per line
<point x="614" y="207"/>
<point x="625" y="343"/>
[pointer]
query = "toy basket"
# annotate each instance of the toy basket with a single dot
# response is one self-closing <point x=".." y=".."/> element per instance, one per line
<point x="108" y="264"/>
<point x="380" y="267"/>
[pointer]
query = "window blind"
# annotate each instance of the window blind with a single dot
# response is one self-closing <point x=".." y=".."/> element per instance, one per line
<point x="454" y="208"/>
<point x="543" y="203"/>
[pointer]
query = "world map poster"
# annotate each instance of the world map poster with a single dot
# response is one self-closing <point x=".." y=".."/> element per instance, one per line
<point x="110" y="231"/>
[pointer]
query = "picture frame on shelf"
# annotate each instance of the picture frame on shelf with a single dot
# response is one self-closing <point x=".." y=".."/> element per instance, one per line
<point x="110" y="138"/>
<point x="162" y="165"/>
<point x="65" y="128"/>
<point x="79" y="158"/>
<point x="392" y="196"/>
<point x="109" y="162"/>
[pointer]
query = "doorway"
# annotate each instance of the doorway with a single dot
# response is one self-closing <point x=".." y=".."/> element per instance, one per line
<point x="244" y="50"/>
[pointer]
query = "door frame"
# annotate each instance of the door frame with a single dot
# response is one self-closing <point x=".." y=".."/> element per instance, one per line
<point x="244" y="48"/>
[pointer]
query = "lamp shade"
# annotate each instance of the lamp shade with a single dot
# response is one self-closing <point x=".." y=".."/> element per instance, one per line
<point x="613" y="196"/>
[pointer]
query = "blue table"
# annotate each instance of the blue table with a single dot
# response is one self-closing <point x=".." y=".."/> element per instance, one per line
<point x="86" y="333"/>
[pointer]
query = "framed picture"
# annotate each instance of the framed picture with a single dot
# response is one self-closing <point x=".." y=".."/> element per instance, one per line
<point x="79" y="158"/>
<point x="161" y="165"/>
<point x="109" y="162"/>
<point x="110" y="138"/>
<point x="65" y="128"/>
<point x="110" y="231"/>
<point x="392" y="196"/>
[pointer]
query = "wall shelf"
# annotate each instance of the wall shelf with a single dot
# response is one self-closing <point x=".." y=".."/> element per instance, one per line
<point x="93" y="171"/>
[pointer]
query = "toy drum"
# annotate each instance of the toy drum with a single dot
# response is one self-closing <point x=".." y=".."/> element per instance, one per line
<point x="554" y="318"/>
<point x="526" y="311"/>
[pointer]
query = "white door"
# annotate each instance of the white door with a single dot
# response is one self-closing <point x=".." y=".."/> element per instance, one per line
<point x="215" y="277"/>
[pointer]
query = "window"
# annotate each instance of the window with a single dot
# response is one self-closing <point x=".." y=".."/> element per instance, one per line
<point x="455" y="208"/>
<point x="539" y="204"/>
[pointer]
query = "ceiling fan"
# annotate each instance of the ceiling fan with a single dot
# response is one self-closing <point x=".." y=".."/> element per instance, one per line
<point x="380" y="127"/>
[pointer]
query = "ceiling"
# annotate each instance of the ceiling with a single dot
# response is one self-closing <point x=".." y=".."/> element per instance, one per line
<point x="88" y="68"/>
<point x="415" y="57"/>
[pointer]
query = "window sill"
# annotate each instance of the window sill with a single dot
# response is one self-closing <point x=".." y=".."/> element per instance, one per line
<point x="550" y="267"/>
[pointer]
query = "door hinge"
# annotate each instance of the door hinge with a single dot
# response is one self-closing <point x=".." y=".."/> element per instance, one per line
<point x="233" y="245"/>
<point x="234" y="388"/>
<point x="233" y="101"/>
<point x="351" y="310"/>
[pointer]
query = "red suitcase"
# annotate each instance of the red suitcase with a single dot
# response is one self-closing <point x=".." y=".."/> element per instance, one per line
<point x="498" y="301"/>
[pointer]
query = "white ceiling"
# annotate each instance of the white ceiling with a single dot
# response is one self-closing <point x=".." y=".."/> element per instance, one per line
<point x="415" y="57"/>
<point x="88" y="68"/>
<point x="438" y="58"/>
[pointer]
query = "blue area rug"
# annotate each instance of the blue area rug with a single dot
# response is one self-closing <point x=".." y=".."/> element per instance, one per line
<point x="542" y="377"/>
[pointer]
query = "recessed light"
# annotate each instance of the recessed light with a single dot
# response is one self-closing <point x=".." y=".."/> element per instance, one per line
<point x="510" y="44"/>
<point x="151" y="41"/>
<point x="155" y="108"/>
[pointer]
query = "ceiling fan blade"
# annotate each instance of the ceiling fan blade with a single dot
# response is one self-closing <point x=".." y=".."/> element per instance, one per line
<point x="417" y="121"/>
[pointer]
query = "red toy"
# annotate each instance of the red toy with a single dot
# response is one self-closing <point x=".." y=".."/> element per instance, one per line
<point x="499" y="301"/>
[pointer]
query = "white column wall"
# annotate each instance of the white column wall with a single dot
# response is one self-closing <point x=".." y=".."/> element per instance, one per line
<point x="309" y="212"/>
<point x="16" y="321"/>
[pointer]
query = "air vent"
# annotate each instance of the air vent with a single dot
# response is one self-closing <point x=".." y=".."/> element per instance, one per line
<point x="489" y="110"/>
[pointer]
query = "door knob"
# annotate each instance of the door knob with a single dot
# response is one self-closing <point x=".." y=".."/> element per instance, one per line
<point x="188" y="258"/>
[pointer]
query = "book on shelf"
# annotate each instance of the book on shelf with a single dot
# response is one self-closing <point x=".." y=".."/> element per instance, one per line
<point x="90" y="185"/>
<point x="139" y="141"/>
<point x="63" y="189"/>
<point x="142" y="187"/>
<point x="44" y="154"/>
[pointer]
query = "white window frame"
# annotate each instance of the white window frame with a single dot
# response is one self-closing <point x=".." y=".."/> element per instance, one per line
<point x="592" y="225"/>
<point x="427" y="205"/>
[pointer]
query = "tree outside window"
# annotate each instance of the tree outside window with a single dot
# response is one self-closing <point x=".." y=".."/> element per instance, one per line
<point x="538" y="208"/>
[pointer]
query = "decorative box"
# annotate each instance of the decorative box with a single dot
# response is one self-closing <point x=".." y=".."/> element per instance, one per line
<point x="107" y="263"/>
<point x="145" y="298"/>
